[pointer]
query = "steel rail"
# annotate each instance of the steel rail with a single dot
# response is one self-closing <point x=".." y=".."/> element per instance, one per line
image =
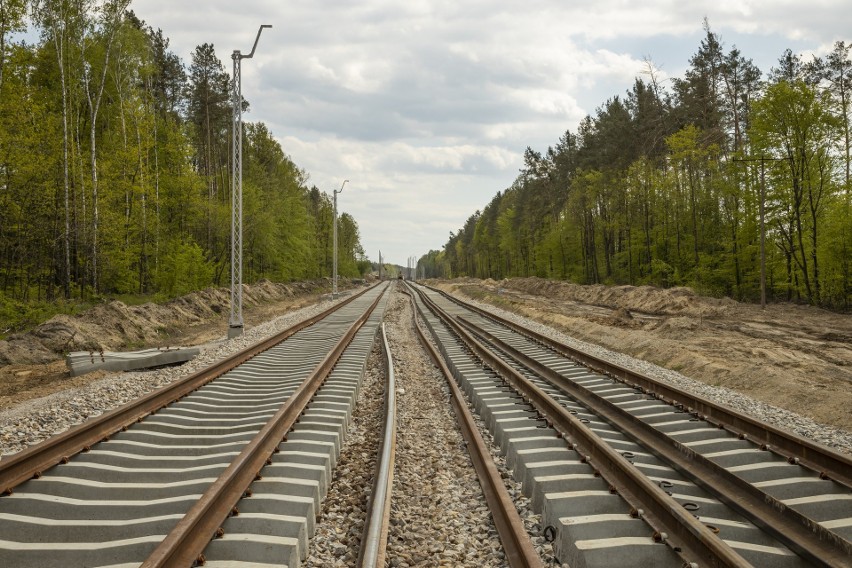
<point x="517" y="545"/>
<point x="375" y="537"/>
<point x="185" y="544"/>
<point x="690" y="538"/>
<point x="33" y="461"/>
<point x="828" y="462"/>
<point x="800" y="533"/>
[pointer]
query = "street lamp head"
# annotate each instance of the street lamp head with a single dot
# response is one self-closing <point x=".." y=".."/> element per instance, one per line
<point x="341" y="186"/>
<point x="259" y="30"/>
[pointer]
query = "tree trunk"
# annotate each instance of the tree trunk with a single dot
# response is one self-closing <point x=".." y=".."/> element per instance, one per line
<point x="94" y="108"/>
<point x="82" y="233"/>
<point x="694" y="206"/>
<point x="59" y="42"/>
<point x="143" y="259"/>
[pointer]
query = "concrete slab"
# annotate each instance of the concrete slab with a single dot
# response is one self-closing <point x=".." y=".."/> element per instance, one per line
<point x="235" y="547"/>
<point x="82" y="362"/>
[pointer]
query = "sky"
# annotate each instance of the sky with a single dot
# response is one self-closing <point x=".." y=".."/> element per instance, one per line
<point x="426" y="107"/>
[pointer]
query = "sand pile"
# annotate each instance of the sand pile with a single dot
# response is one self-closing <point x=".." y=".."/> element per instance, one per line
<point x="645" y="299"/>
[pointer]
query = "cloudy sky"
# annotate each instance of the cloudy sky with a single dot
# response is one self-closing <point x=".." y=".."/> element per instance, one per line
<point x="426" y="106"/>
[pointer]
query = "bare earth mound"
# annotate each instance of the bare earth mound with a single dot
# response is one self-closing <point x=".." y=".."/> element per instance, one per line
<point x="795" y="357"/>
<point x="32" y="364"/>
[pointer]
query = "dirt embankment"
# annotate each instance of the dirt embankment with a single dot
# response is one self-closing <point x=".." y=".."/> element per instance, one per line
<point x="115" y="325"/>
<point x="32" y="364"/>
<point x="794" y="357"/>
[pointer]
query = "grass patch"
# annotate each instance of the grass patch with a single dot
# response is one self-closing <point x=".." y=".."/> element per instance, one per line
<point x="17" y="316"/>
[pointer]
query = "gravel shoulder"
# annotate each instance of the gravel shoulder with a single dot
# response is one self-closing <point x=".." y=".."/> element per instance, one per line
<point x="438" y="513"/>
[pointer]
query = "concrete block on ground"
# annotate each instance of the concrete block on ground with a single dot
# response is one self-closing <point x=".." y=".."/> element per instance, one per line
<point x="82" y="362"/>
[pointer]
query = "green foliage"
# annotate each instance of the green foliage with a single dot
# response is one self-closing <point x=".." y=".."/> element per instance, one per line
<point x="99" y="110"/>
<point x="364" y="267"/>
<point x="666" y="188"/>
<point x="17" y="316"/>
<point x="183" y="269"/>
<point x="661" y="272"/>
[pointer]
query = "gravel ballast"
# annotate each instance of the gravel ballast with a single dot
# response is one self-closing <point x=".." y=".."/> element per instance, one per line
<point x="438" y="513"/>
<point x="439" y="516"/>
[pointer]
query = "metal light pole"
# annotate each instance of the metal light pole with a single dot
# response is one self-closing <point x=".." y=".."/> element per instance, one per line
<point x="235" y="323"/>
<point x="334" y="261"/>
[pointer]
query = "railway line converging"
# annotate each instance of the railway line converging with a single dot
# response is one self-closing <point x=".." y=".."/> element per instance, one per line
<point x="609" y="462"/>
<point x="230" y="466"/>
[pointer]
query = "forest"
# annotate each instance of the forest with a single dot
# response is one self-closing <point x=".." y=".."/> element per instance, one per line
<point x="114" y="167"/>
<point x="677" y="183"/>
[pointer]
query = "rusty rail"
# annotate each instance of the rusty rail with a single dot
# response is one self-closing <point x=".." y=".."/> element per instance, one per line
<point x="519" y="549"/>
<point x="33" y="461"/>
<point x="802" y="534"/>
<point x="813" y="455"/>
<point x="690" y="538"/>
<point x="375" y="537"/>
<point x="185" y="543"/>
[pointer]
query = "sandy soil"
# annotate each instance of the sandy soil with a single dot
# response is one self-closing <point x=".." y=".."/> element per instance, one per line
<point x="794" y="357"/>
<point x="193" y="320"/>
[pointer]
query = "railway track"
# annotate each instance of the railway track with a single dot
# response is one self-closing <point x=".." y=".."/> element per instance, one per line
<point x="631" y="472"/>
<point x="225" y="468"/>
<point x="229" y="466"/>
<point x="517" y="545"/>
<point x="375" y="535"/>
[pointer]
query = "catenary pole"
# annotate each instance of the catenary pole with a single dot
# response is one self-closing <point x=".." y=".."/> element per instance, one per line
<point x="334" y="260"/>
<point x="235" y="322"/>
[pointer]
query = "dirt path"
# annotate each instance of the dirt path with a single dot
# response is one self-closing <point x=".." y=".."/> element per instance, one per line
<point x="794" y="357"/>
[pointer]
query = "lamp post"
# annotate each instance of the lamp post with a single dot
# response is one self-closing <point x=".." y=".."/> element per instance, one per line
<point x="334" y="260"/>
<point x="235" y="322"/>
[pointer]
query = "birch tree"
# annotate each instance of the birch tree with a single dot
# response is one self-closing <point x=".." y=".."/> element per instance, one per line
<point x="96" y="57"/>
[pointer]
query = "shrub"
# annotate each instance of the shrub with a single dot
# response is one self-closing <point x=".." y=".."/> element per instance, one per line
<point x="183" y="269"/>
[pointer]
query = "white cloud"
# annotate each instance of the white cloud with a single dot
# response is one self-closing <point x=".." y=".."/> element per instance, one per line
<point x="427" y="105"/>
